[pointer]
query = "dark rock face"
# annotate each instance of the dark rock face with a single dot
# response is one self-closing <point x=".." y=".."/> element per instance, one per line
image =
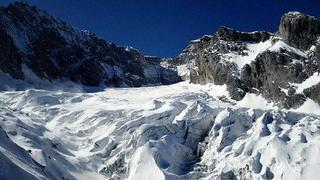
<point x="210" y="66"/>
<point x="313" y="93"/>
<point x="10" y="57"/>
<point x="299" y="30"/>
<point x="228" y="34"/>
<point x="53" y="49"/>
<point x="272" y="71"/>
<point x="292" y="57"/>
<point x="207" y="55"/>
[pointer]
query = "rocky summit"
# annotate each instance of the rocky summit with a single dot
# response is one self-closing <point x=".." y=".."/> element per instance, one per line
<point x="247" y="106"/>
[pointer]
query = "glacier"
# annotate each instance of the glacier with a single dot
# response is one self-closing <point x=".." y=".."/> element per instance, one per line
<point x="179" y="131"/>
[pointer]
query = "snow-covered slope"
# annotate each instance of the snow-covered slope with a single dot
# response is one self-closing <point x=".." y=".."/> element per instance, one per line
<point x="181" y="131"/>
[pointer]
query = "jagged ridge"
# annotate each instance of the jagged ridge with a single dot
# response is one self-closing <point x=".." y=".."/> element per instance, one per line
<point x="53" y="49"/>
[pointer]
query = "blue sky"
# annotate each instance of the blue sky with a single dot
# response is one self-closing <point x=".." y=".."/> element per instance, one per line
<point x="164" y="27"/>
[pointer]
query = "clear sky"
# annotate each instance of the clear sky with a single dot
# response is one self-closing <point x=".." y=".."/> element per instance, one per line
<point x="164" y="27"/>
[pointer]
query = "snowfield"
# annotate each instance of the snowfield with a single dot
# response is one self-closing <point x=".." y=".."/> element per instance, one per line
<point x="180" y="131"/>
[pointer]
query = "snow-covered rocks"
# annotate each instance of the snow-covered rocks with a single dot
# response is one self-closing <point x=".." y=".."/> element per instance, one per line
<point x="259" y="62"/>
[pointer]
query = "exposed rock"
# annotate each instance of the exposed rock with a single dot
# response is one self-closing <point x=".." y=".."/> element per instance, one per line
<point x="228" y="34"/>
<point x="294" y="101"/>
<point x="10" y="57"/>
<point x="228" y="176"/>
<point x="299" y="30"/>
<point x="313" y="93"/>
<point x="259" y="62"/>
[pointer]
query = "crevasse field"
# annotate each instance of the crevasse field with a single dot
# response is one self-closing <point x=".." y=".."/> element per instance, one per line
<point x="180" y="131"/>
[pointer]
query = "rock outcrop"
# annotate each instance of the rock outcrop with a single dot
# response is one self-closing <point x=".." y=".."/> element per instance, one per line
<point x="228" y="34"/>
<point x="271" y="64"/>
<point x="299" y="30"/>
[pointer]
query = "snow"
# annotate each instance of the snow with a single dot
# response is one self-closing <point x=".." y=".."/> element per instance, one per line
<point x="254" y="101"/>
<point x="285" y="90"/>
<point x="77" y="128"/>
<point x="279" y="45"/>
<point x="183" y="70"/>
<point x="271" y="144"/>
<point x="312" y="48"/>
<point x="217" y="90"/>
<point x="253" y="49"/>
<point x="198" y="40"/>
<point x="144" y="166"/>
<point x="309" y="107"/>
<point x="294" y="13"/>
<point x="195" y="41"/>
<point x="309" y="82"/>
<point x="180" y="131"/>
<point x="15" y="161"/>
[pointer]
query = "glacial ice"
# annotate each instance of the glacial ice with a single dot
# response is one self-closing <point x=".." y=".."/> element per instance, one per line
<point x="180" y="131"/>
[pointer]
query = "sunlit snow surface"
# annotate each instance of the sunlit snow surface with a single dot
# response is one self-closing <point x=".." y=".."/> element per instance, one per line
<point x="181" y="131"/>
<point x="253" y="49"/>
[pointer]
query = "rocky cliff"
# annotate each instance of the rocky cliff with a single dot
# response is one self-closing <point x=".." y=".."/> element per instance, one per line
<point x="53" y="49"/>
<point x="282" y="66"/>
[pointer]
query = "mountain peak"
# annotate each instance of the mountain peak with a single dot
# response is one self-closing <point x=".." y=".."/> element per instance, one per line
<point x="299" y="30"/>
<point x="21" y="6"/>
<point x="54" y="49"/>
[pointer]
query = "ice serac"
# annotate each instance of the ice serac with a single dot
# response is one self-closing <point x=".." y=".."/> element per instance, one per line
<point x="272" y="64"/>
<point x="53" y="49"/>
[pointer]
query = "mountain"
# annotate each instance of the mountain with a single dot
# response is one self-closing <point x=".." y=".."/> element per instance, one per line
<point x="53" y="49"/>
<point x="248" y="107"/>
<point x="280" y="65"/>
